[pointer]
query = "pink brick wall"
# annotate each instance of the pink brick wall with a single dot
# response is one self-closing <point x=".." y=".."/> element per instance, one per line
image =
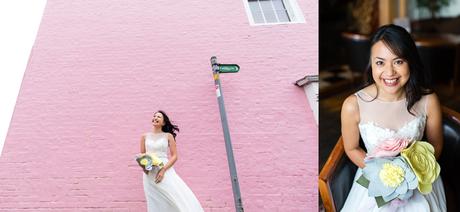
<point x="98" y="71"/>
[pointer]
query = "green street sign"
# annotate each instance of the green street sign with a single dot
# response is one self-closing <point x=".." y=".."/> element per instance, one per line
<point x="228" y="68"/>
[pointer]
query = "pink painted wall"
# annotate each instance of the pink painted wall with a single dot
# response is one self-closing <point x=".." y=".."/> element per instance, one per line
<point x="98" y="71"/>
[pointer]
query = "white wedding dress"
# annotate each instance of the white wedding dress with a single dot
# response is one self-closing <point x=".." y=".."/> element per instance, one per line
<point x="171" y="194"/>
<point x="381" y="120"/>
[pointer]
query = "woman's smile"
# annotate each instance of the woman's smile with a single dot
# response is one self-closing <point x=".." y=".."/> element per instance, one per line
<point x="391" y="82"/>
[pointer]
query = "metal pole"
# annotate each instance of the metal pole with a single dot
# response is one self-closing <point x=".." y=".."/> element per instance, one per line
<point x="228" y="142"/>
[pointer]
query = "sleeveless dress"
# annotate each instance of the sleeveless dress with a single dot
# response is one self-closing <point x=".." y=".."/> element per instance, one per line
<point x="381" y="120"/>
<point x="171" y="194"/>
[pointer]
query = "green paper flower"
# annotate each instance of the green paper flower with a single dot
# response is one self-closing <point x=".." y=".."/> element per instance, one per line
<point x="420" y="156"/>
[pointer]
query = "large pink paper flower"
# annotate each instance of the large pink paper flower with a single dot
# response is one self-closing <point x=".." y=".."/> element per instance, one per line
<point x="389" y="148"/>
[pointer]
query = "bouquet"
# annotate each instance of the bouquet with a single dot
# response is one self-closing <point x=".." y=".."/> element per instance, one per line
<point x="148" y="161"/>
<point x="395" y="169"/>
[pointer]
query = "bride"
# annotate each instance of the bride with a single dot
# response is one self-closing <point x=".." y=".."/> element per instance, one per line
<point x="164" y="190"/>
<point x="397" y="103"/>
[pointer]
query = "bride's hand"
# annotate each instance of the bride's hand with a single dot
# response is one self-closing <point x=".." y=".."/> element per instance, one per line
<point x="160" y="175"/>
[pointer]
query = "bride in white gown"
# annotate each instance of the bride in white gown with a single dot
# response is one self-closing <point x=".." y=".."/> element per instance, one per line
<point x="395" y="104"/>
<point x="164" y="190"/>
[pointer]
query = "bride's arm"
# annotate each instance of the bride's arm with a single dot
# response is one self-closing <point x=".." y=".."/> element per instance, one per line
<point x="143" y="148"/>
<point x="434" y="124"/>
<point x="350" y="131"/>
<point x="143" y="143"/>
<point x="173" y="152"/>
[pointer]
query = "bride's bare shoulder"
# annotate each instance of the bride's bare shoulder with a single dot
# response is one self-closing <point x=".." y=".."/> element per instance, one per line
<point x="350" y="105"/>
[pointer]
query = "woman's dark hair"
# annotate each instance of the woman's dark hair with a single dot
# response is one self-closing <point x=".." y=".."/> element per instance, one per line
<point x="168" y="127"/>
<point x="400" y="42"/>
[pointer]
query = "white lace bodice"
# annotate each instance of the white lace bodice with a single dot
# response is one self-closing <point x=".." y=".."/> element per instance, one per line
<point x="157" y="144"/>
<point x="380" y="120"/>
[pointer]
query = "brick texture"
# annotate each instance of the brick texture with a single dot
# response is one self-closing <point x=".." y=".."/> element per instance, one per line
<point x="98" y="71"/>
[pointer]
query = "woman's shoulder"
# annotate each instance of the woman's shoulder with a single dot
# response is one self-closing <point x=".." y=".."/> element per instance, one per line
<point x="168" y="135"/>
<point x="431" y="101"/>
<point x="350" y="110"/>
<point x="145" y="134"/>
<point x="431" y="97"/>
<point x="427" y="102"/>
<point x="368" y="92"/>
<point x="350" y="105"/>
<point x="351" y="101"/>
<point x="370" y="89"/>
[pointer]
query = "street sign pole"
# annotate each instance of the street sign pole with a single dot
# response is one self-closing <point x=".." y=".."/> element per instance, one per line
<point x="227" y="68"/>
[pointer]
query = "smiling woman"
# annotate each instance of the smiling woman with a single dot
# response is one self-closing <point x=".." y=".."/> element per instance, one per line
<point x="390" y="72"/>
<point x="396" y="103"/>
<point x="164" y="189"/>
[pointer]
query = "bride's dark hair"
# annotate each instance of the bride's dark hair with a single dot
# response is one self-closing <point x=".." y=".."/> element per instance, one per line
<point x="400" y="42"/>
<point x="168" y="127"/>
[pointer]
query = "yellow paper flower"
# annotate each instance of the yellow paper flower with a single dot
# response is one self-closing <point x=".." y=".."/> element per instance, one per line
<point x="420" y="156"/>
<point x="156" y="161"/>
<point x="144" y="161"/>
<point x="391" y="175"/>
<point x="148" y="161"/>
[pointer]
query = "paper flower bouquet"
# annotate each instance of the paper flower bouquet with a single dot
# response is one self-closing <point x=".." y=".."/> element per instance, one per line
<point x="148" y="161"/>
<point x="396" y="168"/>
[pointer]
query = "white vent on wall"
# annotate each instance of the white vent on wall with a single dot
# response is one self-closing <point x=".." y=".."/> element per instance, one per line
<point x="267" y="12"/>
